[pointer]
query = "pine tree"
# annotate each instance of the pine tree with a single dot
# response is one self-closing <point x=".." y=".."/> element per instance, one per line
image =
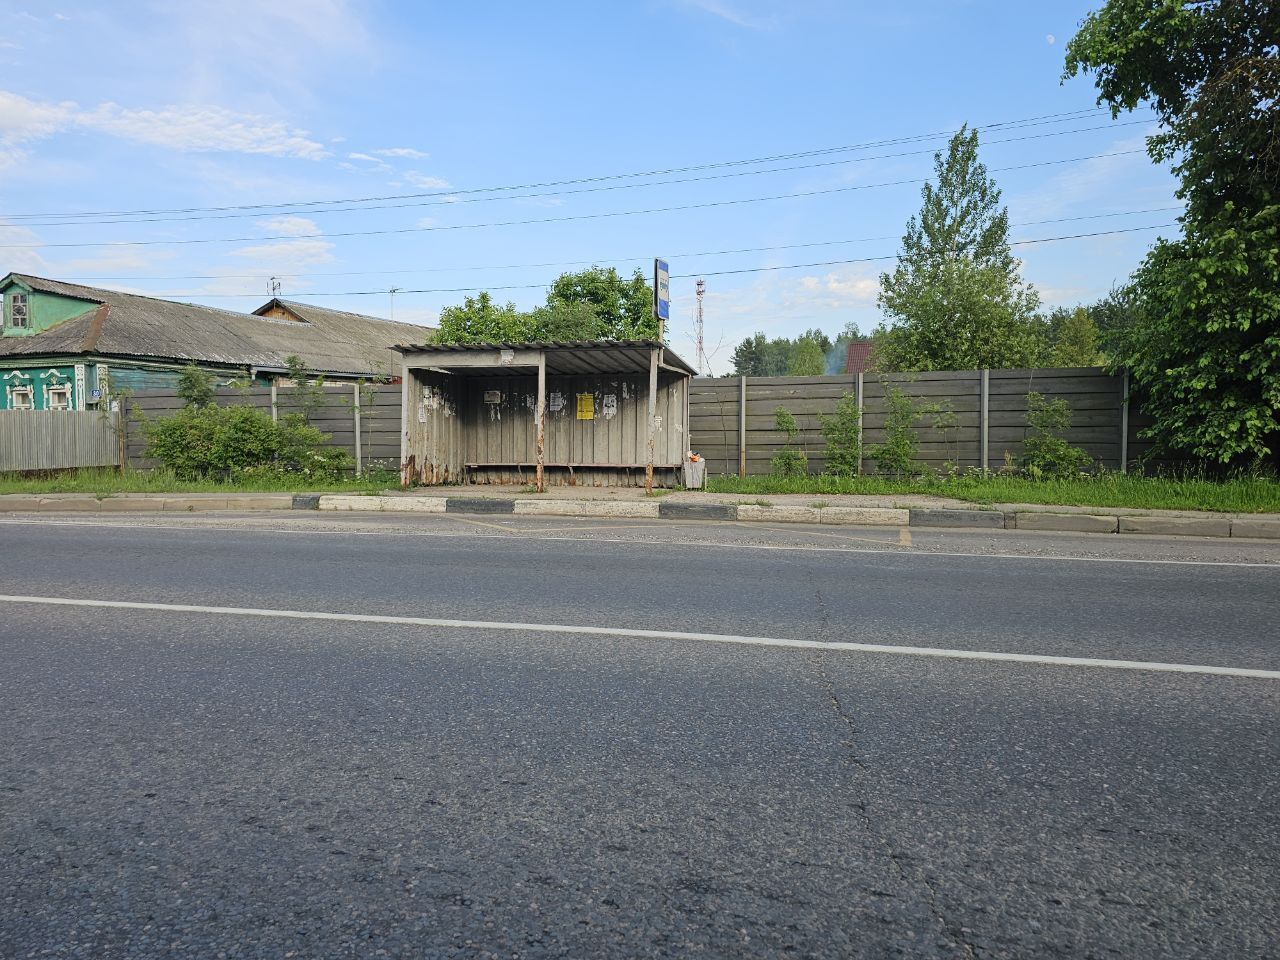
<point x="956" y="299"/>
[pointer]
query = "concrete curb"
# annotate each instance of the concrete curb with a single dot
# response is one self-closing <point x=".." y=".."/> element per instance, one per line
<point x="1071" y="520"/>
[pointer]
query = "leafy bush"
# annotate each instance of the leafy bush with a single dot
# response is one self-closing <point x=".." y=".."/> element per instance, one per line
<point x="195" y="386"/>
<point x="1045" y="452"/>
<point x="843" y="432"/>
<point x="240" y="441"/>
<point x="897" y="454"/>
<point x="789" y="461"/>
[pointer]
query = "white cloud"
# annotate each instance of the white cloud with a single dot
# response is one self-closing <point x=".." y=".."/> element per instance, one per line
<point x="728" y="13"/>
<point x="406" y="152"/>
<point x="424" y="182"/>
<point x="290" y="226"/>
<point x="187" y="129"/>
<point x="287" y="256"/>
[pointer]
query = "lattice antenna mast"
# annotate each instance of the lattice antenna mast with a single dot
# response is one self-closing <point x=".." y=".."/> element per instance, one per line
<point x="699" y="329"/>
<point x="274" y="286"/>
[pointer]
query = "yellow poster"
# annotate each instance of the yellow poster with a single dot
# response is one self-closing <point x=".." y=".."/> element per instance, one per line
<point x="586" y="406"/>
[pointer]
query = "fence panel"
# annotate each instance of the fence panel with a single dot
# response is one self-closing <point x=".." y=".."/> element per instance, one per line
<point x="58" y="439"/>
<point x="332" y="412"/>
<point x="948" y="403"/>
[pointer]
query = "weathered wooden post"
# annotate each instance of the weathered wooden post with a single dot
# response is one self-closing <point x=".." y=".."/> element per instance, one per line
<point x="858" y="389"/>
<point x="984" y="419"/>
<point x="542" y="419"/>
<point x="355" y="412"/>
<point x="1124" y="422"/>
<point x="275" y="410"/>
<point x="653" y="413"/>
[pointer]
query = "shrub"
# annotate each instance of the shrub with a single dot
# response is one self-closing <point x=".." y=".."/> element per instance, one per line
<point x="195" y="387"/>
<point x="897" y="454"/>
<point x="232" y="441"/>
<point x="1045" y="451"/>
<point x="843" y="432"/>
<point x="789" y="461"/>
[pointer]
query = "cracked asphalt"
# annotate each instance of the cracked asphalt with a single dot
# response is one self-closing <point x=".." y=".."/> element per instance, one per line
<point x="193" y="784"/>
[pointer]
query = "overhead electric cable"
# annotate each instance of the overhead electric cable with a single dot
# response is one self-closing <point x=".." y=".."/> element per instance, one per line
<point x="600" y="261"/>
<point x="1007" y="124"/>
<point x="451" y="199"/>
<point x="683" y="276"/>
<point x="542" y="220"/>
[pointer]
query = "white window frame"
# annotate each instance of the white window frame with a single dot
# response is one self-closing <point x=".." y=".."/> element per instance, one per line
<point x="14" y="299"/>
<point x="57" y="388"/>
<point x="16" y="394"/>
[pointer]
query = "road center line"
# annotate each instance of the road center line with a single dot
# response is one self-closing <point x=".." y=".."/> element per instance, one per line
<point x="847" y="646"/>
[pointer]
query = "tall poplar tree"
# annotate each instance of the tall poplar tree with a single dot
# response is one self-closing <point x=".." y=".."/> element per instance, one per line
<point x="956" y="300"/>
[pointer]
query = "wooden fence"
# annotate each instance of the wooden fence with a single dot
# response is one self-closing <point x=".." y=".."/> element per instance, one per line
<point x="732" y="421"/>
<point x="58" y="439"/>
<point x="374" y="409"/>
<point x="961" y="408"/>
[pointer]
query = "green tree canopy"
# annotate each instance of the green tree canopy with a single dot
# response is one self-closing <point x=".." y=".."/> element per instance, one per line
<point x="1204" y="344"/>
<point x="956" y="300"/>
<point x="592" y="304"/>
<point x="1073" y="338"/>
<point x="807" y="359"/>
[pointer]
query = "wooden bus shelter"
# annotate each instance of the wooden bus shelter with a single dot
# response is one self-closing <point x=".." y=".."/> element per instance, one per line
<point x="596" y="413"/>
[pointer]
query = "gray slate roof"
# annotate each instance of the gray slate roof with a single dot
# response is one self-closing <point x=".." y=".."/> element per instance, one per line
<point x="129" y="325"/>
<point x="563" y="356"/>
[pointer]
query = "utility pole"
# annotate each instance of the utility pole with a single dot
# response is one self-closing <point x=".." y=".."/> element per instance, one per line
<point x="699" y="329"/>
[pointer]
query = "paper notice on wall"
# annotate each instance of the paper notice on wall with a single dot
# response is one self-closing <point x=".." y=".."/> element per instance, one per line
<point x="555" y="402"/>
<point x="609" y="406"/>
<point x="586" y="406"/>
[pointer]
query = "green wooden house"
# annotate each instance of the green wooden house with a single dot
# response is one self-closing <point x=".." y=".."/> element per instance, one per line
<point x="64" y="346"/>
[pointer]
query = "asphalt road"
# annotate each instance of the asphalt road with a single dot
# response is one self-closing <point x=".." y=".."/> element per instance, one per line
<point x="180" y="783"/>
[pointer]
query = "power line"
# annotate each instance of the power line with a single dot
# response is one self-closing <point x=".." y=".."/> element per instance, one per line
<point x="279" y="207"/>
<point x="453" y="199"/>
<point x="683" y="276"/>
<point x="543" y="220"/>
<point x="599" y="261"/>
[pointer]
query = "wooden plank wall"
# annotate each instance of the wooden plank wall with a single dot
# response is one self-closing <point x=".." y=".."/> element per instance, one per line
<point x="379" y="417"/>
<point x="58" y="439"/>
<point x="1095" y="399"/>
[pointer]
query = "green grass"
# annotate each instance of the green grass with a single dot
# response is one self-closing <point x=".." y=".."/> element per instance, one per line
<point x="103" y="482"/>
<point x="1243" y="494"/>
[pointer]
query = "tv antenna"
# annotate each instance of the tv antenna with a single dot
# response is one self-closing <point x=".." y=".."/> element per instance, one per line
<point x="273" y="285"/>
<point x="699" y="329"/>
<point x="392" y="293"/>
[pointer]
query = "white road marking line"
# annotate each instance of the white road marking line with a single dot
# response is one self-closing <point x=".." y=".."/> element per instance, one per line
<point x="531" y="533"/>
<point x="848" y="646"/>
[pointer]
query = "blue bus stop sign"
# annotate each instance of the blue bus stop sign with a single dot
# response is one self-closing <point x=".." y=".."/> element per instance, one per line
<point x="661" y="290"/>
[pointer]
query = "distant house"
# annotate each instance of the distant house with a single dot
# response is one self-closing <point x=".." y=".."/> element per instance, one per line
<point x="64" y="346"/>
<point x="858" y="357"/>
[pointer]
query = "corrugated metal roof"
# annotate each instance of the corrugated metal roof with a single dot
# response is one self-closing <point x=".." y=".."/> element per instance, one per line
<point x="565" y="356"/>
<point x="327" y="341"/>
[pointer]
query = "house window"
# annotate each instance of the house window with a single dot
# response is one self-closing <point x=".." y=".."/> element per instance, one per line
<point x="18" y="316"/>
<point x="21" y="398"/>
<point x="58" y="398"/>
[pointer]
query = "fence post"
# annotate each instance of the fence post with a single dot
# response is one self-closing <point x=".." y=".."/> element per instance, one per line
<point x="275" y="414"/>
<point x="1124" y="422"/>
<point x="355" y="410"/>
<point x="984" y="420"/>
<point x="742" y="426"/>
<point x="858" y="401"/>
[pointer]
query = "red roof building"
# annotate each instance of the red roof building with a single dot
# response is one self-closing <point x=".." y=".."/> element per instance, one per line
<point x="858" y="357"/>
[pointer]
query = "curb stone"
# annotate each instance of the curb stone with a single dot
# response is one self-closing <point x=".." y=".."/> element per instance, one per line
<point x="1256" y="529"/>
<point x="1177" y="526"/>
<point x="587" y="508"/>
<point x="698" y="511"/>
<point x="979" y="519"/>
<point x="1068" y="522"/>
<point x="478" y="505"/>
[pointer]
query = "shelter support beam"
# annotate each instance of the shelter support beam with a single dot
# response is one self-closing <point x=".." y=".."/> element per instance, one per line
<point x="542" y="421"/>
<point x="653" y="413"/>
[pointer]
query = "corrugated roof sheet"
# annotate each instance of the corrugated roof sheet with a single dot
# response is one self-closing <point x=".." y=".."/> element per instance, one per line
<point x="327" y="341"/>
<point x="566" y="356"/>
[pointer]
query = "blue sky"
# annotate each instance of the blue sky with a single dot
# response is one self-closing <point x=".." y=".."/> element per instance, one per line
<point x="276" y="105"/>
